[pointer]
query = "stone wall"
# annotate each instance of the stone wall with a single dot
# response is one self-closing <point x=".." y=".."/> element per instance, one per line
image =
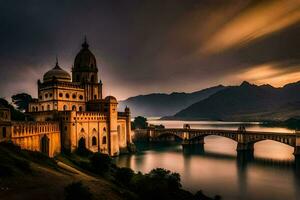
<point x="37" y="136"/>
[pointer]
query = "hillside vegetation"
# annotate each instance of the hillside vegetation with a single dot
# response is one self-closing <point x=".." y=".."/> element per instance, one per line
<point x="32" y="176"/>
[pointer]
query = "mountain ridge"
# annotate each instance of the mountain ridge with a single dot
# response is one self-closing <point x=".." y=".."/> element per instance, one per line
<point x="246" y="102"/>
<point x="162" y="104"/>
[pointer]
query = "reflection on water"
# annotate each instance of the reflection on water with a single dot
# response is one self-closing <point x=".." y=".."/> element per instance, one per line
<point x="217" y="169"/>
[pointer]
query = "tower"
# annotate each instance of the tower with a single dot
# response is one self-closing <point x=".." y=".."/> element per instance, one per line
<point x="112" y="112"/>
<point x="85" y="72"/>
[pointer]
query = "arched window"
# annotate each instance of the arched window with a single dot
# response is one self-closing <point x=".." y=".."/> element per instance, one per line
<point x="67" y="95"/>
<point x="42" y="108"/>
<point x="33" y="109"/>
<point x="94" y="141"/>
<point x="80" y="97"/>
<point x="74" y="108"/>
<point x="4" y="132"/>
<point x="80" y="108"/>
<point x="104" y="140"/>
<point x="65" y="107"/>
<point x="82" y="130"/>
<point x="104" y="129"/>
<point x="74" y="96"/>
<point x="60" y="94"/>
<point x="36" y="109"/>
<point x="119" y="133"/>
<point x="48" y="107"/>
<point x="46" y="95"/>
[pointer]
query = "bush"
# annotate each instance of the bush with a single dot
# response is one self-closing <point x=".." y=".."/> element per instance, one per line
<point x="77" y="191"/>
<point x="157" y="184"/>
<point x="124" y="175"/>
<point x="100" y="163"/>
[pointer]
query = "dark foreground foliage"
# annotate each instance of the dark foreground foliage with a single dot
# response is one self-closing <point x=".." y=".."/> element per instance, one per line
<point x="77" y="191"/>
<point x="157" y="184"/>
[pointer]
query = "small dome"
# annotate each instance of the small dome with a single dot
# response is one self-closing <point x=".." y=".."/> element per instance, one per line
<point x="58" y="74"/>
<point x="111" y="99"/>
<point x="85" y="60"/>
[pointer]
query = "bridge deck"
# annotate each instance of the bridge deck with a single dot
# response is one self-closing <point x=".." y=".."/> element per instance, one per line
<point x="223" y="131"/>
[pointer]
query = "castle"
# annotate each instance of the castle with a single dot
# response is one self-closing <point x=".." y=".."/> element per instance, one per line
<point x="71" y="113"/>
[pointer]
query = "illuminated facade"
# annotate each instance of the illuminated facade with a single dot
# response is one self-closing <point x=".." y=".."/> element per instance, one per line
<point x="73" y="113"/>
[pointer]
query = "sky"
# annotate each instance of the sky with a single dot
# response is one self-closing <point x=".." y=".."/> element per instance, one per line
<point x="151" y="46"/>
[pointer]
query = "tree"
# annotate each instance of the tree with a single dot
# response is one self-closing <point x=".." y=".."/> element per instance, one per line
<point x="16" y="115"/>
<point x="124" y="175"/>
<point x="21" y="100"/>
<point x="140" y="122"/>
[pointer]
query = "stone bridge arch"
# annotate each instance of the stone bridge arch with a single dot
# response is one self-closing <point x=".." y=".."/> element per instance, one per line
<point x="287" y="141"/>
<point x="202" y="136"/>
<point x="168" y="134"/>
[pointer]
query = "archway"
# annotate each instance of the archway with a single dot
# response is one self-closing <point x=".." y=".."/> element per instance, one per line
<point x="4" y="132"/>
<point x="272" y="149"/>
<point x="104" y="140"/>
<point x="119" y="133"/>
<point x="81" y="144"/>
<point x="169" y="137"/>
<point x="220" y="145"/>
<point x="45" y="145"/>
<point x="94" y="141"/>
<point x="74" y="108"/>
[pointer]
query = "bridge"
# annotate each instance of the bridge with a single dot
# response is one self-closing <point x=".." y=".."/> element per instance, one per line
<point x="245" y="139"/>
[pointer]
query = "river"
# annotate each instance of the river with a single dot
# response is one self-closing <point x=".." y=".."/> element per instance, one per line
<point x="271" y="175"/>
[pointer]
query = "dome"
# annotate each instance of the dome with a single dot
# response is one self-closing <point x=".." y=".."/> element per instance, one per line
<point x="85" y="60"/>
<point x="58" y="74"/>
<point x="111" y="99"/>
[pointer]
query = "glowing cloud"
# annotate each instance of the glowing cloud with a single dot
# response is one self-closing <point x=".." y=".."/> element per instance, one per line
<point x="276" y="74"/>
<point x="253" y="23"/>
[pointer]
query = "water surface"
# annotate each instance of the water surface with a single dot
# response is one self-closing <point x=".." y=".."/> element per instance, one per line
<point x="271" y="175"/>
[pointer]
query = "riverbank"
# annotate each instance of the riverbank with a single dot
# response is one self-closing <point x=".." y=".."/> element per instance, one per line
<point x="31" y="175"/>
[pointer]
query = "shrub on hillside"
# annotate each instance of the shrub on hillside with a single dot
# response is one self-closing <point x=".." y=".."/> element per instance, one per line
<point x="100" y="163"/>
<point x="124" y="175"/>
<point x="77" y="191"/>
<point x="158" y="184"/>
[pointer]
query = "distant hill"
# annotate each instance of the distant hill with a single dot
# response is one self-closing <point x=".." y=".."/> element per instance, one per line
<point x="165" y="104"/>
<point x="246" y="102"/>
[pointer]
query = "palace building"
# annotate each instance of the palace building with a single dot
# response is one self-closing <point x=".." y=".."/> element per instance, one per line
<point x="70" y="113"/>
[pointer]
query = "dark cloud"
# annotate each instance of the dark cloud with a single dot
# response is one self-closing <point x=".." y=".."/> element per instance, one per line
<point x="150" y="46"/>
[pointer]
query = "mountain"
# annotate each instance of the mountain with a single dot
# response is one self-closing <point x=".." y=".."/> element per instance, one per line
<point x="165" y="104"/>
<point x="246" y="102"/>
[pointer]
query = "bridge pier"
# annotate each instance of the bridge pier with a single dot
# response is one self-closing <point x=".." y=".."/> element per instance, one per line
<point x="245" y="152"/>
<point x="297" y="152"/>
<point x="193" y="146"/>
<point x="245" y="147"/>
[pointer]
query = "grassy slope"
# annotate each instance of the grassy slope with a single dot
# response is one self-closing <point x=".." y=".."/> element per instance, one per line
<point x="44" y="178"/>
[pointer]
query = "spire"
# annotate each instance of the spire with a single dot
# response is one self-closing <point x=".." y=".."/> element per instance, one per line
<point x="85" y="44"/>
<point x="56" y="64"/>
